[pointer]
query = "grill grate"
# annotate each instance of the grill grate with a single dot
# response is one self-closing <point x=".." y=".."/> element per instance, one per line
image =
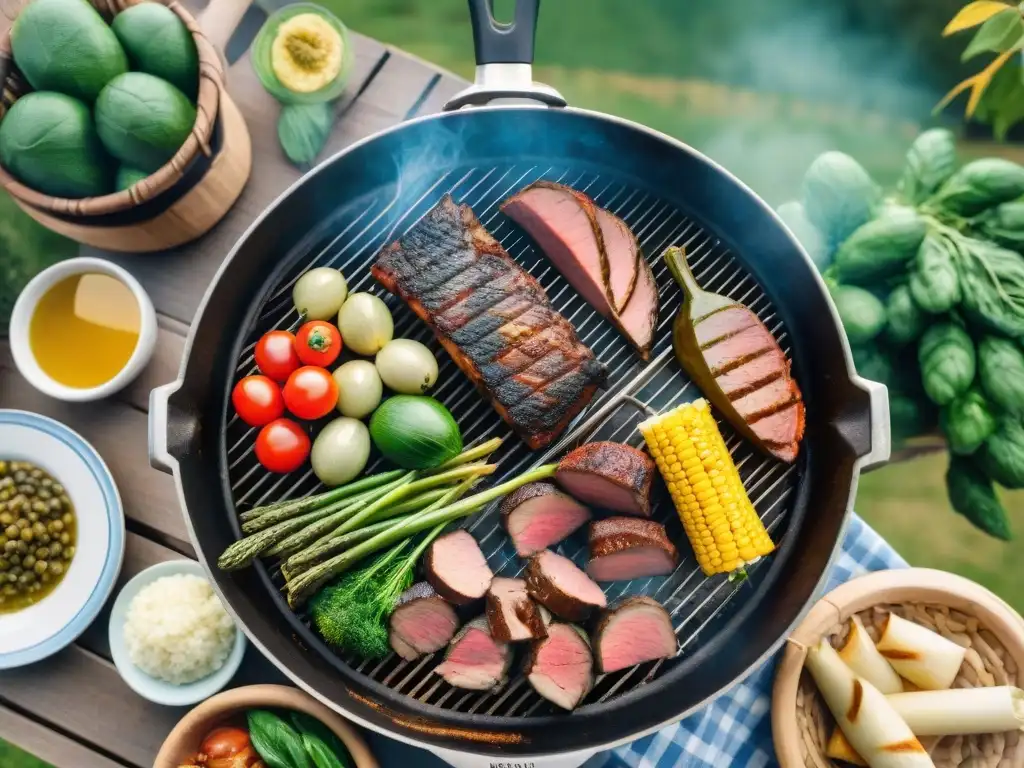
<point x="353" y="238"/>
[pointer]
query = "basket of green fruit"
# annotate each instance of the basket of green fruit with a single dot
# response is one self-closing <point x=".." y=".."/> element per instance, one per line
<point x="115" y="127"/>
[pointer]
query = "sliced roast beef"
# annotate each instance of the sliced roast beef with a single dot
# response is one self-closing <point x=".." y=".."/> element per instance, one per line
<point x="610" y="475"/>
<point x="512" y="615"/>
<point x="636" y="630"/>
<point x="538" y="516"/>
<point x="555" y="582"/>
<point x="561" y="666"/>
<point x="475" y="660"/>
<point x="623" y="254"/>
<point x="639" y="319"/>
<point x="457" y="569"/>
<point x="623" y="548"/>
<point x="421" y="623"/>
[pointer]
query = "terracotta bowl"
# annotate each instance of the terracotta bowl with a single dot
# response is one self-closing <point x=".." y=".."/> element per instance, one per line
<point x="183" y="742"/>
<point x="958" y="609"/>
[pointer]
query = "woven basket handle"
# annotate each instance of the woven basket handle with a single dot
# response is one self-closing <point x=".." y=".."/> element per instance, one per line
<point x="219" y="20"/>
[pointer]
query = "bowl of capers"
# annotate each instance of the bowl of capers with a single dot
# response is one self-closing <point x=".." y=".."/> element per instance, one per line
<point x="62" y="536"/>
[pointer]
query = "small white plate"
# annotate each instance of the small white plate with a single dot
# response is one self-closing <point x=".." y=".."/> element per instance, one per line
<point x="148" y="687"/>
<point x="42" y="629"/>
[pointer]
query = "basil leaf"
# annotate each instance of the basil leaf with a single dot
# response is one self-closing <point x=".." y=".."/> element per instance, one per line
<point x="276" y="741"/>
<point x="316" y="733"/>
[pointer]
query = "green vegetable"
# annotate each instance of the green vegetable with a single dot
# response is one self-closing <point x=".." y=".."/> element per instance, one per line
<point x="972" y="495"/>
<point x="863" y="315"/>
<point x="275" y="741"/>
<point x="979" y="185"/>
<point x="47" y="141"/>
<point x="931" y="160"/>
<point x="143" y="120"/>
<point x="934" y="281"/>
<point x="415" y="432"/>
<point x="967" y="423"/>
<point x="128" y="177"/>
<point x="947" y="359"/>
<point x="294" y="507"/>
<point x="872" y="363"/>
<point x="838" y="196"/>
<point x="303" y="130"/>
<point x="322" y="745"/>
<point x="905" y="320"/>
<point x="809" y="236"/>
<point x="1003" y="455"/>
<point x="340" y="451"/>
<point x="66" y="46"/>
<point x="158" y="43"/>
<point x="910" y="416"/>
<point x="881" y="248"/>
<point x="1003" y="225"/>
<point x="1001" y="370"/>
<point x="992" y="280"/>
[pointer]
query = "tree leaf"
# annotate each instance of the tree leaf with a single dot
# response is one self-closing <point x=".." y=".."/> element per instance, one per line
<point x="983" y="78"/>
<point x="997" y="34"/>
<point x="955" y="91"/>
<point x="973" y="14"/>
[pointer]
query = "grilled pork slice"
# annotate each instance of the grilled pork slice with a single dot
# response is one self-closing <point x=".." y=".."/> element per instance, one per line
<point x="636" y="630"/>
<point x="561" y="666"/>
<point x="595" y="251"/>
<point x="538" y="516"/>
<point x="556" y="583"/>
<point x="457" y="569"/>
<point x="421" y="623"/>
<point x="512" y="615"/>
<point x="495" y="321"/>
<point x="623" y="548"/>
<point x="475" y="660"/>
<point x="609" y="475"/>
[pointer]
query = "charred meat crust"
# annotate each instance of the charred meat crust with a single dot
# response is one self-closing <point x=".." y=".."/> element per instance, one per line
<point x="627" y="467"/>
<point x="411" y="600"/>
<point x="524" y="493"/>
<point x="543" y="589"/>
<point x="522" y="607"/>
<point x="495" y="321"/>
<point x="616" y="534"/>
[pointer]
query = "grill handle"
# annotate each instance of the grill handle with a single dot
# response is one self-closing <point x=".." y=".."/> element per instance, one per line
<point x="504" y="60"/>
<point x="881" y="429"/>
<point x="160" y="451"/>
<point x="469" y="760"/>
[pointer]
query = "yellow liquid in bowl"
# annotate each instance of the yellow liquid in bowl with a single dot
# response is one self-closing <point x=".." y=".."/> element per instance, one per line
<point x="85" y="329"/>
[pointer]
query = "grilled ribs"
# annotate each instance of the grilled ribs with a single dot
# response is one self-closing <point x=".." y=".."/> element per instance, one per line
<point x="494" y="319"/>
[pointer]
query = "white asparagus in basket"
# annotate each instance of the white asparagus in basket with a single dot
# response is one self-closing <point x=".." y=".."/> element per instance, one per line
<point x="861" y="655"/>
<point x="925" y="658"/>
<point x="869" y="722"/>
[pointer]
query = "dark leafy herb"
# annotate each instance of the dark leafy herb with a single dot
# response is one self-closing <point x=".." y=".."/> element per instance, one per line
<point x="931" y="160"/>
<point x="322" y="745"/>
<point x="934" y="281"/>
<point x="276" y="741"/>
<point x="992" y="280"/>
<point x="1003" y="455"/>
<point x="972" y="495"/>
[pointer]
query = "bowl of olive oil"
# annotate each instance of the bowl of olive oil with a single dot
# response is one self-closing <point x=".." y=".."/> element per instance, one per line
<point x="82" y="330"/>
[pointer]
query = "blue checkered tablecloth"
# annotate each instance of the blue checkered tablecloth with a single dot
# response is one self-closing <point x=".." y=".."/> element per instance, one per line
<point x="735" y="730"/>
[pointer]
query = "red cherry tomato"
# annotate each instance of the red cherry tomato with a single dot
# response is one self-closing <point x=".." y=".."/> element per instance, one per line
<point x="257" y="400"/>
<point x="275" y="355"/>
<point x="282" y="446"/>
<point x="318" y="343"/>
<point x="310" y="392"/>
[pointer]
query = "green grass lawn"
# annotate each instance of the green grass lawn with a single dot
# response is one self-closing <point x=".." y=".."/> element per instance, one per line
<point x="12" y="757"/>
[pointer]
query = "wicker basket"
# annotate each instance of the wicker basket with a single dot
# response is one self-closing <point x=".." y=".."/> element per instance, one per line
<point x="957" y="608"/>
<point x="178" y="203"/>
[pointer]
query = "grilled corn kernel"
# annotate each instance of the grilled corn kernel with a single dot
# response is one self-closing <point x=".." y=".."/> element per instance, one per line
<point x="721" y="523"/>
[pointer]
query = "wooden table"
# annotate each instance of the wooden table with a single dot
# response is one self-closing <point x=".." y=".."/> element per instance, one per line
<point x="73" y="710"/>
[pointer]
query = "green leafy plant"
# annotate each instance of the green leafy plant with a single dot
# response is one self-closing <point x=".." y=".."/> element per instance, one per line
<point x="276" y="741"/>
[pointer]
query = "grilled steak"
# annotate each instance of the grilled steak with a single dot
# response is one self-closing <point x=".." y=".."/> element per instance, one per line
<point x="421" y="623"/>
<point x="561" y="666"/>
<point x="596" y="252"/>
<point x="457" y="569"/>
<point x="556" y="583"/>
<point x="609" y="475"/>
<point x="636" y="630"/>
<point x="494" y="320"/>
<point x="474" y="660"/>
<point x="538" y="516"/>
<point x="511" y="614"/>
<point x="623" y="548"/>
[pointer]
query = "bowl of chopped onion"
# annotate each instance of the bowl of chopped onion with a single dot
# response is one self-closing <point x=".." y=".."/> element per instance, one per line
<point x="911" y="668"/>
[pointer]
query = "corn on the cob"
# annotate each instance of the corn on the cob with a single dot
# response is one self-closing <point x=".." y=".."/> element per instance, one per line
<point x="705" y="485"/>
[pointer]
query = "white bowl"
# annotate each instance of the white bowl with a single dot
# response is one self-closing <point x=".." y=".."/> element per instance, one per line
<point x="42" y="629"/>
<point x="151" y="688"/>
<point x="25" y="307"/>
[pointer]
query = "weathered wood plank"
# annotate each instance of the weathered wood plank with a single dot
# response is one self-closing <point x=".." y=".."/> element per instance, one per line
<point x="48" y="745"/>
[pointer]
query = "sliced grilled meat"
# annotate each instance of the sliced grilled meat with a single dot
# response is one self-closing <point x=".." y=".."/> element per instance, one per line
<point x="421" y="623"/>
<point x="595" y="251"/>
<point x="538" y="516"/>
<point x="556" y="583"/>
<point x="561" y="666"/>
<point x="474" y="660"/>
<point x="495" y="321"/>
<point x="636" y="630"/>
<point x="623" y="548"/>
<point x="610" y="475"/>
<point x="457" y="569"/>
<point x="512" y="615"/>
